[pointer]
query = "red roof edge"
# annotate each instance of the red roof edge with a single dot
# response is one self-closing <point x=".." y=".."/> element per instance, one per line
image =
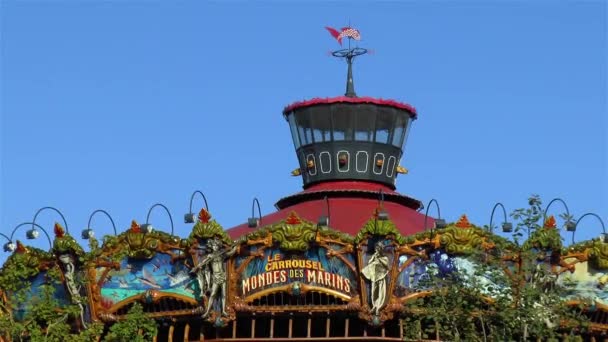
<point x="346" y="99"/>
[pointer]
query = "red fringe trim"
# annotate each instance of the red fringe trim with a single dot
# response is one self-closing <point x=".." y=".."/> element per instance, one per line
<point x="346" y="99"/>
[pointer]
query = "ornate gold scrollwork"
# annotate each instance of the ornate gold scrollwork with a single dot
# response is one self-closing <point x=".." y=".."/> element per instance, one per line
<point x="292" y="234"/>
<point x="464" y="238"/>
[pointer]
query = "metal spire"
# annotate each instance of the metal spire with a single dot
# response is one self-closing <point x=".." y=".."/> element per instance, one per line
<point x="349" y="54"/>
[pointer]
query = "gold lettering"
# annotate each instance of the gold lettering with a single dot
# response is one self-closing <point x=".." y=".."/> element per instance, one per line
<point x="246" y="286"/>
<point x="320" y="278"/>
<point x="275" y="276"/>
<point x="254" y="282"/>
<point x="283" y="276"/>
<point x="311" y="276"/>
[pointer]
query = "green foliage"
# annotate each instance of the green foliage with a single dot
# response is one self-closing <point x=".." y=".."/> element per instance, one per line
<point x="45" y="319"/>
<point x="530" y="305"/>
<point x="135" y="327"/>
<point x="379" y="227"/>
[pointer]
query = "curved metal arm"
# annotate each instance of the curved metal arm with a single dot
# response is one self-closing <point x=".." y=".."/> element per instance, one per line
<point x="255" y="201"/>
<point x="504" y="211"/>
<point x="548" y="205"/>
<point x="204" y="199"/>
<point x="426" y="214"/>
<point x="65" y="223"/>
<point x="589" y="214"/>
<point x="327" y="206"/>
<point x="33" y="225"/>
<point x="104" y="212"/>
<point x="6" y="237"/>
<point x="166" y="209"/>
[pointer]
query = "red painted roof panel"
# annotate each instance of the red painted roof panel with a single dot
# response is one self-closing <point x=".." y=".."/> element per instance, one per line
<point x="347" y="215"/>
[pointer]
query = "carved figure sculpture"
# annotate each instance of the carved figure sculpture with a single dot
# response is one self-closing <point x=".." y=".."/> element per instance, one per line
<point x="211" y="272"/>
<point x="203" y="277"/>
<point x="73" y="289"/>
<point x="376" y="272"/>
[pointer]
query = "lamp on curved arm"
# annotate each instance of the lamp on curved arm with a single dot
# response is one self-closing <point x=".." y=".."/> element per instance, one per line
<point x="88" y="232"/>
<point x="603" y="237"/>
<point x="507" y="227"/>
<point x="439" y="222"/>
<point x="254" y="222"/>
<point x="147" y="227"/>
<point x="65" y="223"/>
<point x="30" y="234"/>
<point x="382" y="215"/>
<point x="324" y="219"/>
<point x="190" y="217"/>
<point x="569" y="224"/>
<point x="9" y="246"/>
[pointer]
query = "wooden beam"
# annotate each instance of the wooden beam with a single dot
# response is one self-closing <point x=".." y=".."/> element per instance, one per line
<point x="327" y="325"/>
<point x="290" y="333"/>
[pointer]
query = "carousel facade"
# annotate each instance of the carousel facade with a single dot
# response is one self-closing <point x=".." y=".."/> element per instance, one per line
<point x="337" y="261"/>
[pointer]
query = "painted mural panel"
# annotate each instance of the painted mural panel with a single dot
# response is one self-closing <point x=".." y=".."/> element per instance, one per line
<point x="313" y="267"/>
<point x="136" y="276"/>
<point x="418" y="274"/>
<point x="585" y="282"/>
<point x="33" y="295"/>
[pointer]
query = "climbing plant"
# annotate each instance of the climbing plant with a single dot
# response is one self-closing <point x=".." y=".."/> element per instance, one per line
<point x="524" y="303"/>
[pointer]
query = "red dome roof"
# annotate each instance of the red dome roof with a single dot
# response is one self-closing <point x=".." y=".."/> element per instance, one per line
<point x="348" y="213"/>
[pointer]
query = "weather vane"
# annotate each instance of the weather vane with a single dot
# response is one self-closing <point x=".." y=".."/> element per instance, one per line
<point x="350" y="53"/>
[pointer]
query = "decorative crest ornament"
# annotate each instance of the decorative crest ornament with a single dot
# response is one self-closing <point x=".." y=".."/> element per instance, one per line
<point x="349" y="54"/>
<point x="59" y="231"/>
<point x="135" y="227"/>
<point x="463" y="222"/>
<point x="204" y="216"/>
<point x="293" y="218"/>
<point x="21" y="248"/>
<point x="550" y="223"/>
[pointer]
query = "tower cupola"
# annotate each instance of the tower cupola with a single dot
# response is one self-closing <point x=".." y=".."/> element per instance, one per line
<point x="349" y="137"/>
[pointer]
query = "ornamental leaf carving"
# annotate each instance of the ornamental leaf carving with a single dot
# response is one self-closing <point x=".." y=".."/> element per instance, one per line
<point x="206" y="228"/>
<point x="375" y="226"/>
<point x="546" y="238"/>
<point x="292" y="234"/>
<point x="137" y="244"/>
<point x="598" y="255"/>
<point x="455" y="240"/>
<point x="65" y="243"/>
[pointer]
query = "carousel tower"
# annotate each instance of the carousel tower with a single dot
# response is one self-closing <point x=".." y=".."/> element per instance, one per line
<point x="348" y="150"/>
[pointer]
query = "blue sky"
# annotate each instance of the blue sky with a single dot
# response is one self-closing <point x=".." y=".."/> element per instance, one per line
<point x="122" y="104"/>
